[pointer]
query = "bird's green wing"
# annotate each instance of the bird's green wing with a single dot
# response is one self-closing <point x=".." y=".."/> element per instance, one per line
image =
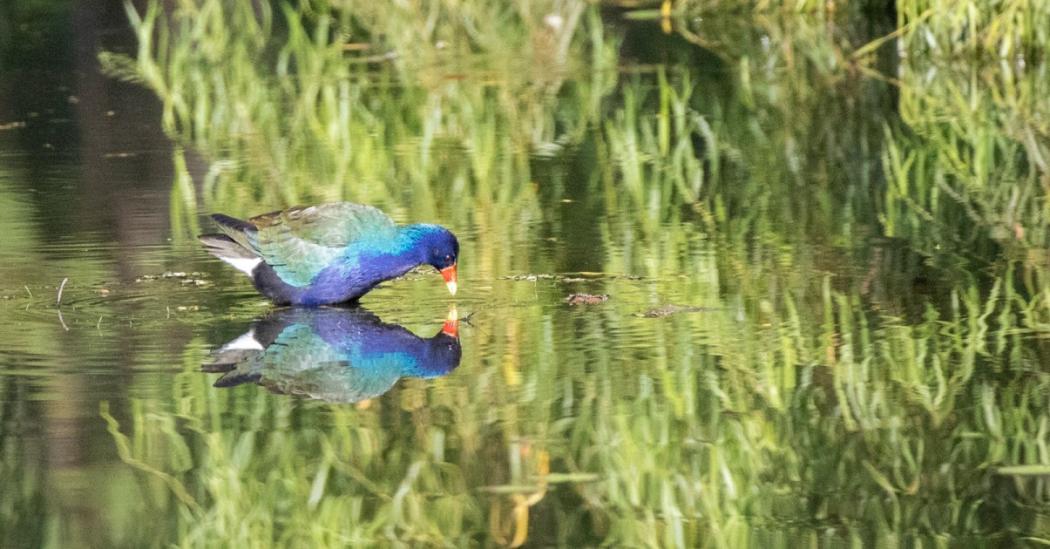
<point x="300" y="242"/>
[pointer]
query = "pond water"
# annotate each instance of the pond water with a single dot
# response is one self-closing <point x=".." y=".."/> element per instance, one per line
<point x="826" y="304"/>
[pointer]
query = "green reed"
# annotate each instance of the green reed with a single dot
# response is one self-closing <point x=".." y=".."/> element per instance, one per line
<point x="982" y="165"/>
<point x="1010" y="31"/>
<point x="307" y="133"/>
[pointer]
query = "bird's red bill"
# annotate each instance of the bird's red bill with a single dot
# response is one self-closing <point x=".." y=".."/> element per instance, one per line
<point x="449" y="274"/>
<point x="451" y="328"/>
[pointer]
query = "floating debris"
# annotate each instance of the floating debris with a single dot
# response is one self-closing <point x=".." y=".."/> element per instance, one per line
<point x="58" y="300"/>
<point x="529" y="277"/>
<point x="586" y="299"/>
<point x="186" y="278"/>
<point x="570" y="277"/>
<point x="12" y="125"/>
<point x="668" y="310"/>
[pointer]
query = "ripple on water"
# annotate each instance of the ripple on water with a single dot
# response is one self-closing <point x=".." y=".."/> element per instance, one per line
<point x="105" y="325"/>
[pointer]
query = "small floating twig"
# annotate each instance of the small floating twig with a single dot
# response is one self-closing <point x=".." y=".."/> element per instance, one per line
<point x="62" y="320"/>
<point x="58" y="300"/>
<point x="27" y="290"/>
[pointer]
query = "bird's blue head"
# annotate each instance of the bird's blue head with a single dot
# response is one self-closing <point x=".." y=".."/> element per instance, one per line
<point x="439" y="248"/>
<point x="441" y="355"/>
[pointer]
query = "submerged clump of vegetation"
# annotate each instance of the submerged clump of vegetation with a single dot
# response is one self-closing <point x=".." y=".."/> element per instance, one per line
<point x="856" y="219"/>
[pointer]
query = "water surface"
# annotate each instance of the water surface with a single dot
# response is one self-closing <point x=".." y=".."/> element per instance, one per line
<point x="808" y="338"/>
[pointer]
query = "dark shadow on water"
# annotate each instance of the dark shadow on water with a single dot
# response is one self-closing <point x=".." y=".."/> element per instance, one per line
<point x="333" y="354"/>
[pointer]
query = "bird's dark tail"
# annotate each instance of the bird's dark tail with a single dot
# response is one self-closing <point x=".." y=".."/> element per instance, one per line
<point x="232" y="223"/>
<point x="231" y="251"/>
<point x="224" y="247"/>
<point x="238" y="360"/>
<point x="236" y="245"/>
<point x="235" y="378"/>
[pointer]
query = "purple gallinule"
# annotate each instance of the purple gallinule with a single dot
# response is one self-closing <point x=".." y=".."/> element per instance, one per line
<point x="333" y="354"/>
<point x="329" y="253"/>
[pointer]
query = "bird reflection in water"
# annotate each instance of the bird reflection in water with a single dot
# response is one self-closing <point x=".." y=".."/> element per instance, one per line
<point x="333" y="354"/>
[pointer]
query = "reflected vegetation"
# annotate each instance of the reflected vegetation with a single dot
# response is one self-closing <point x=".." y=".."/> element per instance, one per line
<point x="333" y="354"/>
<point x="843" y="216"/>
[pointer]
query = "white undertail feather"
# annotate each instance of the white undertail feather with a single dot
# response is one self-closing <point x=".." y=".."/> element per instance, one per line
<point x="246" y="342"/>
<point x="243" y="264"/>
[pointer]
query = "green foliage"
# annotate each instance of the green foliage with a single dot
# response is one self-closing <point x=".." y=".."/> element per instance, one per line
<point x="1008" y="30"/>
<point x="977" y="167"/>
